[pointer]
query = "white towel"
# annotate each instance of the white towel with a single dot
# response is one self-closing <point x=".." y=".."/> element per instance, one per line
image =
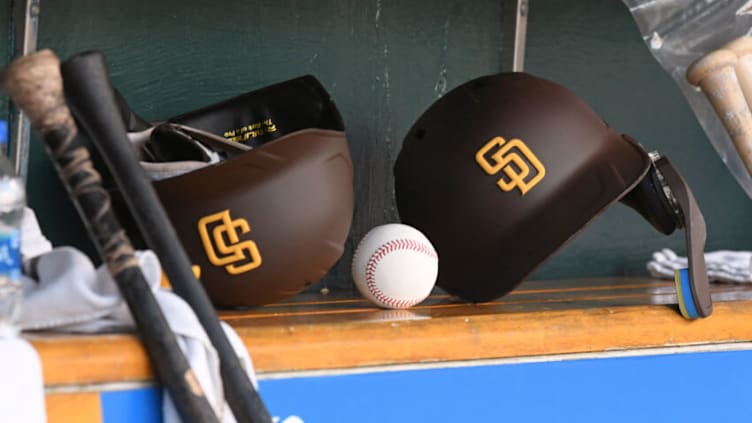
<point x="68" y="294"/>
<point x="722" y="265"/>
<point x="33" y="242"/>
<point x="22" y="387"/>
<point x="23" y="399"/>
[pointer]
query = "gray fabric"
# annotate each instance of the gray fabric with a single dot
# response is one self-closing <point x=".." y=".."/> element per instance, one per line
<point x="722" y="265"/>
<point x="70" y="295"/>
<point x="162" y="170"/>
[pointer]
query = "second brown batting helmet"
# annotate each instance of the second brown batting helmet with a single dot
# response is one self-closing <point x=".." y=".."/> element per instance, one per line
<point x="504" y="169"/>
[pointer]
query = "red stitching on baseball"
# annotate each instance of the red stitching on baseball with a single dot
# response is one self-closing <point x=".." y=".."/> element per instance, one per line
<point x="379" y="254"/>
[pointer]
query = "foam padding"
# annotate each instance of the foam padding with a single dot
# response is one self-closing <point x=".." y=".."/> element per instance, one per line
<point x="684" y="293"/>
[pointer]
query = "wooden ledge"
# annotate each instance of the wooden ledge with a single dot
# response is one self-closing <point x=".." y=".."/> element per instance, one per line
<point x="325" y="332"/>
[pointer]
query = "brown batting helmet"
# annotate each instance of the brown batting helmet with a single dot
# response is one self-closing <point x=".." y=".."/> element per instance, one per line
<point x="504" y="169"/>
<point x="271" y="215"/>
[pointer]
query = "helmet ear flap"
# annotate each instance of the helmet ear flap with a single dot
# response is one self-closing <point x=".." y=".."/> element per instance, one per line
<point x="664" y="199"/>
<point x="692" y="285"/>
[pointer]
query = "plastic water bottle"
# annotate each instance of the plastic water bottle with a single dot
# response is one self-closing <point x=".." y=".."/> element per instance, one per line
<point x="12" y="206"/>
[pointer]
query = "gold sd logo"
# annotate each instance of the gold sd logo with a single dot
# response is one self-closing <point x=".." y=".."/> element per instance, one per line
<point x="516" y="160"/>
<point x="219" y="235"/>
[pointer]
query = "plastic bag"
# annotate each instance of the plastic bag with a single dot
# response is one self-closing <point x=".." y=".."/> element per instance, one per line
<point x="679" y="32"/>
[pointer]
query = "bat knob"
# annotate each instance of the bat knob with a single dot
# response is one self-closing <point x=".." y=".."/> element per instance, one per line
<point x="741" y="46"/>
<point x="710" y="64"/>
<point x="36" y="86"/>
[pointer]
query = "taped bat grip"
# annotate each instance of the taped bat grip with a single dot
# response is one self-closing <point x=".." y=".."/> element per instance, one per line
<point x="90" y="95"/>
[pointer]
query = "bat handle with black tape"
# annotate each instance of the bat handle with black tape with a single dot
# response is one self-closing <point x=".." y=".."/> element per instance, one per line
<point x="90" y="94"/>
<point x="35" y="85"/>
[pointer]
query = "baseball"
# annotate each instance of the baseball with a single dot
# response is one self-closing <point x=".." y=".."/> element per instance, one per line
<point x="395" y="266"/>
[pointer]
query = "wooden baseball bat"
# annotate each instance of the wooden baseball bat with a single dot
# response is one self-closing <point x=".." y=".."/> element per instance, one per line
<point x="742" y="48"/>
<point x="90" y="94"/>
<point x="35" y="85"/>
<point x="715" y="74"/>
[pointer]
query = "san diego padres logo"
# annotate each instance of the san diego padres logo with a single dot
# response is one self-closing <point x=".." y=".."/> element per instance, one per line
<point x="219" y="235"/>
<point x="522" y="170"/>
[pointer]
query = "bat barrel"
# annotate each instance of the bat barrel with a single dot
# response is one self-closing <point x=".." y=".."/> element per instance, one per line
<point x="742" y="47"/>
<point x="716" y="74"/>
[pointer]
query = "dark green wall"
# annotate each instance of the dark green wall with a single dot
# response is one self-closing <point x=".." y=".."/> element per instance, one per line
<point x="384" y="62"/>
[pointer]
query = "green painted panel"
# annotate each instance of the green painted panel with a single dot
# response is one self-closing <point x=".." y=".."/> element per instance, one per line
<point x="384" y="62"/>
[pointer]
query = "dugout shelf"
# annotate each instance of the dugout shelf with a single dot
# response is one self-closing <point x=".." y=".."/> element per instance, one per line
<point x="341" y="330"/>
